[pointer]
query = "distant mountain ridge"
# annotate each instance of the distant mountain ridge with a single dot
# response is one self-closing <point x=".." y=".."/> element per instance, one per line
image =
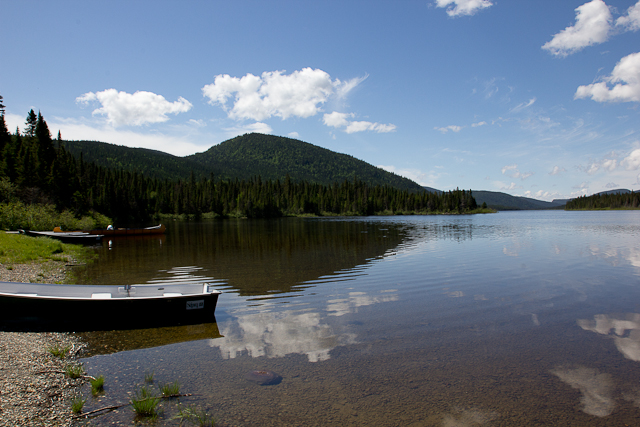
<point x="503" y="201"/>
<point x="244" y="157"/>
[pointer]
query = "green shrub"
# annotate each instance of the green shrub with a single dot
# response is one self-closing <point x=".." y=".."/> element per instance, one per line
<point x="17" y="215"/>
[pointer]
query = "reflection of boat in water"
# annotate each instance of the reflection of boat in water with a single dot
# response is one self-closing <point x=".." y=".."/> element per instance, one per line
<point x="107" y="342"/>
<point x="90" y="307"/>
<point x="66" y="236"/>
<point x="157" y="229"/>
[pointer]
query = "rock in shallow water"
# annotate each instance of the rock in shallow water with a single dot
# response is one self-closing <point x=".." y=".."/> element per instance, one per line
<point x="263" y="377"/>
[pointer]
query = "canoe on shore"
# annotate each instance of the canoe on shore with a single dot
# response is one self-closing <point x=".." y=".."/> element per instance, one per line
<point x="92" y="307"/>
<point x="157" y="229"/>
<point x="66" y="236"/>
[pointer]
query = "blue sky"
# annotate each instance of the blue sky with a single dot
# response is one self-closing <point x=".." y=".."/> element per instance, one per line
<point x="533" y="98"/>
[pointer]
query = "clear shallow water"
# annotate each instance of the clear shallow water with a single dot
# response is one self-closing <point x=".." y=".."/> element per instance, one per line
<point x="516" y="318"/>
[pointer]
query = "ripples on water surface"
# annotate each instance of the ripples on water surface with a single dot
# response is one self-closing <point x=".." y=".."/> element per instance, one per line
<point x="512" y="319"/>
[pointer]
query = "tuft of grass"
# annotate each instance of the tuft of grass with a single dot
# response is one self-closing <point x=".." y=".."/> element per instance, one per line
<point x="145" y="403"/>
<point x="77" y="403"/>
<point x="196" y="416"/>
<point x="97" y="385"/>
<point x="74" y="371"/>
<point x="58" y="351"/>
<point x="170" y="389"/>
<point x="148" y="377"/>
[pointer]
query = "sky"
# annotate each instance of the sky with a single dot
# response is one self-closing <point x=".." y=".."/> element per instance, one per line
<point x="532" y="98"/>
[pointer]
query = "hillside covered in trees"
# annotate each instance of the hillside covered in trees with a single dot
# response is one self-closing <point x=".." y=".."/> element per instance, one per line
<point x="606" y="200"/>
<point x="244" y="157"/>
<point x="36" y="169"/>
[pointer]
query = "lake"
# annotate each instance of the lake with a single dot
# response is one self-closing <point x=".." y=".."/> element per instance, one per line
<point x="527" y="318"/>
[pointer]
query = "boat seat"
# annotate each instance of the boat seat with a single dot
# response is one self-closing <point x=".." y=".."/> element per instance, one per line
<point x="103" y="295"/>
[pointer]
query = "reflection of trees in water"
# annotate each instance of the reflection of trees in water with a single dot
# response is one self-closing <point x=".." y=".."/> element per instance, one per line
<point x="260" y="257"/>
<point x="107" y="342"/>
<point x="255" y="257"/>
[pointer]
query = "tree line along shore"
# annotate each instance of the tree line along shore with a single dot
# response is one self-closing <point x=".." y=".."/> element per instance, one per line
<point x="37" y="170"/>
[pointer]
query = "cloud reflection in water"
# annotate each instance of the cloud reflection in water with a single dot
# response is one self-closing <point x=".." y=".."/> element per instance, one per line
<point x="279" y="334"/>
<point x="596" y="388"/>
<point x="624" y="328"/>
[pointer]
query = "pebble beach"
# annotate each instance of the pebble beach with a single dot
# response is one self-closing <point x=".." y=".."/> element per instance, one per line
<point x="33" y="391"/>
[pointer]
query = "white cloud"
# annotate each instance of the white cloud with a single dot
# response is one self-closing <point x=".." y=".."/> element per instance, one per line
<point x="463" y="7"/>
<point x="452" y="128"/>
<point x="299" y="94"/>
<point x="139" y="108"/>
<point x="632" y="161"/>
<point x="182" y="145"/>
<point x="611" y="185"/>
<point x="625" y="79"/>
<point x="513" y="172"/>
<point x="343" y="88"/>
<point x="258" y="127"/>
<point x="541" y="194"/>
<point x="593" y="26"/>
<point x="336" y="119"/>
<point x="363" y="126"/>
<point x="415" y="175"/>
<point x="609" y="164"/>
<point x="293" y="135"/>
<point x="523" y="105"/>
<point x="512" y="186"/>
<point x="339" y="120"/>
<point x="509" y="168"/>
<point x="475" y="125"/>
<point x="631" y="21"/>
<point x="557" y="170"/>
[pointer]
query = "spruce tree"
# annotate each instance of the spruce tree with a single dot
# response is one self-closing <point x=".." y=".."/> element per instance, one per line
<point x="46" y="151"/>
<point x="5" y="136"/>
<point x="31" y="122"/>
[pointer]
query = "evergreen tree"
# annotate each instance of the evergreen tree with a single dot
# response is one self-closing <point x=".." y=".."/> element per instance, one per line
<point x="46" y="151"/>
<point x="2" y="107"/>
<point x="5" y="136"/>
<point x="31" y="122"/>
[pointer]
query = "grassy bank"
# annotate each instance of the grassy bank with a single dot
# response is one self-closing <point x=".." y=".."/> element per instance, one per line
<point x="21" y="249"/>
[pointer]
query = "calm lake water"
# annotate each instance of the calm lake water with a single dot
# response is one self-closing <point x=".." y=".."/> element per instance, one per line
<point x="511" y="319"/>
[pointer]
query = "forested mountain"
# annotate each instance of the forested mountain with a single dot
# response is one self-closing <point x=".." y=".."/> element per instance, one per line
<point x="244" y="157"/>
<point x="273" y="157"/>
<point x="151" y="163"/>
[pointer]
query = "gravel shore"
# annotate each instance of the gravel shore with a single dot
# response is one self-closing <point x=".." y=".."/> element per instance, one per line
<point x="33" y="392"/>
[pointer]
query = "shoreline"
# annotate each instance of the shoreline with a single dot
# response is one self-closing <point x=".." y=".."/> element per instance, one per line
<point x="30" y="394"/>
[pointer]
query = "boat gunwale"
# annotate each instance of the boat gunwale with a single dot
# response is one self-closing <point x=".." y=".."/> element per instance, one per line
<point x="113" y="298"/>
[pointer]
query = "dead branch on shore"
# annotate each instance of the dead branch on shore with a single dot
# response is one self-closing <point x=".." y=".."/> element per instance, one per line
<point x="52" y="371"/>
<point x="106" y="409"/>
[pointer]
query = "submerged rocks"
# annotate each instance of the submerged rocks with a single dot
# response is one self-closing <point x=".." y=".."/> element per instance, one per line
<point x="263" y="377"/>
